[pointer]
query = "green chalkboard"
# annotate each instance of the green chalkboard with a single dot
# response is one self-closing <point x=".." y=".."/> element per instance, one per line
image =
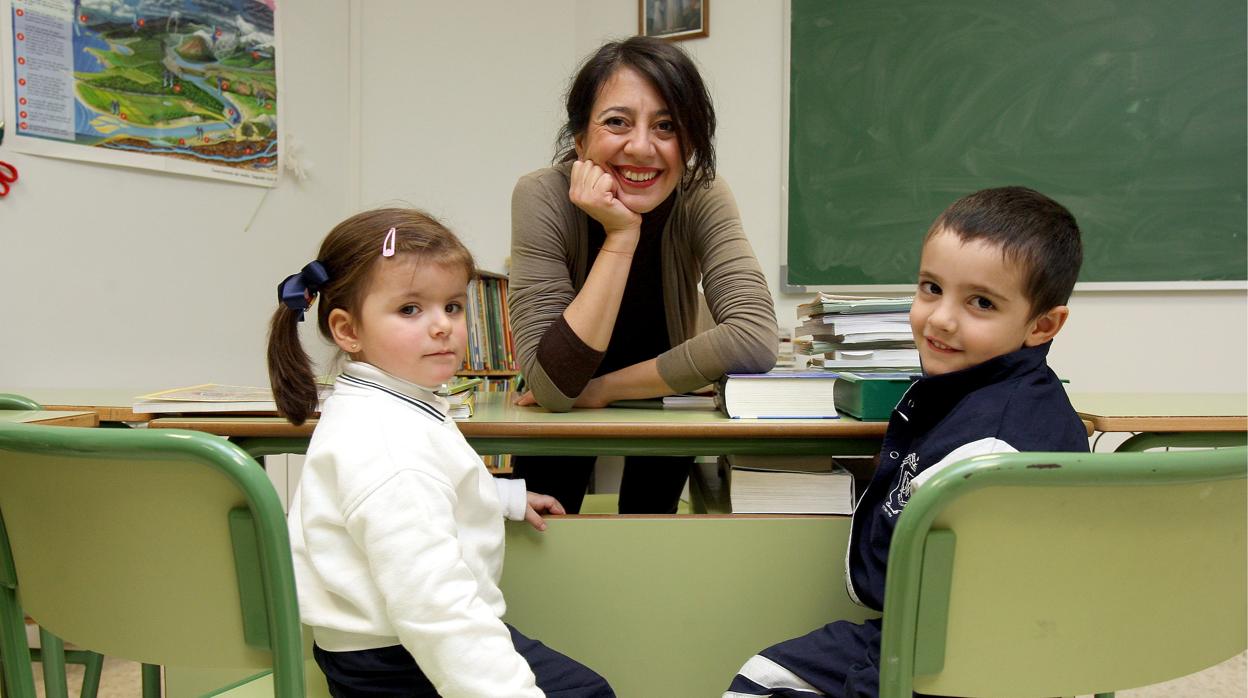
<point x="1132" y="113"/>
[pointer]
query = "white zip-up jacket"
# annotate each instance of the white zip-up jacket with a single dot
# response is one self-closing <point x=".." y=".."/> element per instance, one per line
<point x="396" y="530"/>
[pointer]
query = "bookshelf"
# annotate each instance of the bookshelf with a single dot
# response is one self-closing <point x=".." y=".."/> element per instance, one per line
<point x="491" y="352"/>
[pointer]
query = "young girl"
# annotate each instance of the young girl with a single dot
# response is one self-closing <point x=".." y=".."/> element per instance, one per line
<point x="396" y="527"/>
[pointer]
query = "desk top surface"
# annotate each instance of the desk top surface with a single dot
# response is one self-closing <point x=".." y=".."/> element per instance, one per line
<point x="495" y="416"/>
<point x="111" y="404"/>
<point x="70" y="418"/>
<point x="1163" y="411"/>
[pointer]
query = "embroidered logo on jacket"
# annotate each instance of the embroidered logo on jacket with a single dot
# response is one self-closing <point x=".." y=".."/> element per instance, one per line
<point x="900" y="494"/>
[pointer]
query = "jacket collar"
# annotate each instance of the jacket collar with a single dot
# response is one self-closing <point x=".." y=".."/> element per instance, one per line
<point x="361" y="375"/>
<point x="934" y="396"/>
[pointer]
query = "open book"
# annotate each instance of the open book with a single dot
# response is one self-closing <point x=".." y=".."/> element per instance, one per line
<point x="211" y="397"/>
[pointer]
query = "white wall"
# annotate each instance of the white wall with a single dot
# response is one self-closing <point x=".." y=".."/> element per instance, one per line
<point x="460" y="100"/>
<point x="128" y="278"/>
<point x="139" y="280"/>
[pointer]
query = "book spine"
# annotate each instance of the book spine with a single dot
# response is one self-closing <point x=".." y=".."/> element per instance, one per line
<point x="480" y="363"/>
<point x="469" y="313"/>
<point x="511" y="346"/>
<point x="498" y="349"/>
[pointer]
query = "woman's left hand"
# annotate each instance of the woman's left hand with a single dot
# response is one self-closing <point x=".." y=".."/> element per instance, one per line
<point x="594" y="395"/>
<point x="525" y="400"/>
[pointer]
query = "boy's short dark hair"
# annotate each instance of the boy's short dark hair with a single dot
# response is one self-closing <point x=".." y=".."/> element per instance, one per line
<point x="1031" y="229"/>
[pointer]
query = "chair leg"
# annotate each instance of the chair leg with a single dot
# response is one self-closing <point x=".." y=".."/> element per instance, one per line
<point x="93" y="667"/>
<point x="52" y="654"/>
<point x="151" y="681"/>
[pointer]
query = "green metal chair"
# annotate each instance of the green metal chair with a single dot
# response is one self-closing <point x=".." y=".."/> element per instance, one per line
<point x="163" y="547"/>
<point x="52" y="652"/>
<point x="12" y="401"/>
<point x="1043" y="574"/>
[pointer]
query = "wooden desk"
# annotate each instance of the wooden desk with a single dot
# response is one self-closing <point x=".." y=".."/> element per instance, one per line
<point x="111" y="404"/>
<point x="1168" y="419"/>
<point x="687" y="597"/>
<point x="498" y="426"/>
<point x="62" y="418"/>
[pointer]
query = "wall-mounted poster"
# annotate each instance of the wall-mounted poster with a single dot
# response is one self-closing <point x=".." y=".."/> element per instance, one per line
<point x="186" y="86"/>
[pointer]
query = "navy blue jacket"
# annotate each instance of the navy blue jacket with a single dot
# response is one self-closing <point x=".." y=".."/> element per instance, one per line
<point x="1013" y="402"/>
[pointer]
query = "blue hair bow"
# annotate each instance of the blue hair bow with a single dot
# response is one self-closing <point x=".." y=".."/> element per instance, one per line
<point x="297" y="291"/>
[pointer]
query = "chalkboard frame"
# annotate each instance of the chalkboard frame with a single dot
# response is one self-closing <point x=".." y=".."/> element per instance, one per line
<point x="788" y="287"/>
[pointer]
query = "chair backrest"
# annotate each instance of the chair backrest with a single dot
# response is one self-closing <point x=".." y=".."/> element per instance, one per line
<point x="1043" y="574"/>
<point x="164" y="547"/>
<point x="13" y="401"/>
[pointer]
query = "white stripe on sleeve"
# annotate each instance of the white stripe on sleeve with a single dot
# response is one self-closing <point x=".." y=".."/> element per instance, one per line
<point x="974" y="448"/>
<point x="765" y="672"/>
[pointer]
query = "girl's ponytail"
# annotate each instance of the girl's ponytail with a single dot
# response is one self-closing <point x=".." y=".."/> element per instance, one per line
<point x="290" y="367"/>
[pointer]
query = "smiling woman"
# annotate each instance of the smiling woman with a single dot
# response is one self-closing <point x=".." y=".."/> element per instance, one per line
<point x="608" y="248"/>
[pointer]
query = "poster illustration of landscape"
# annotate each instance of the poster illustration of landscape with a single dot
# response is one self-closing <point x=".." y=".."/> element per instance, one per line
<point x="186" y="86"/>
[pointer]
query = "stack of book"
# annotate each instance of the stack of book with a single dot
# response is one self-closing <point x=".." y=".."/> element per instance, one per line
<point x="460" y="394"/>
<point x="490" y="347"/>
<point x="857" y="333"/>
<point x="788" y="485"/>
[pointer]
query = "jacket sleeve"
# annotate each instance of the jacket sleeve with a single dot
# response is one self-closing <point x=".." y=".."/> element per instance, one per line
<point x="407" y="529"/>
<point x="540" y="286"/>
<point x="745" y="338"/>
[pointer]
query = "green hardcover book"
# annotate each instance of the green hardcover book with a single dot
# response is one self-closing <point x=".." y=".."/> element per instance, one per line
<point x="870" y="396"/>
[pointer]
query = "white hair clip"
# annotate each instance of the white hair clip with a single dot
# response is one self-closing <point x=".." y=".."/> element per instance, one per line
<point x="387" y="245"/>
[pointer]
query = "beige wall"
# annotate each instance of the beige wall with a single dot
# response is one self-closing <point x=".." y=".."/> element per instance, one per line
<point x="443" y="106"/>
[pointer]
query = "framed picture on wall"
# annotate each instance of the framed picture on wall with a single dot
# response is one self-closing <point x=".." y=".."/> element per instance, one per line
<point x="673" y="19"/>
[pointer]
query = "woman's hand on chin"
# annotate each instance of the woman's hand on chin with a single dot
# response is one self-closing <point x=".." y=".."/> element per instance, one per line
<point x="593" y="190"/>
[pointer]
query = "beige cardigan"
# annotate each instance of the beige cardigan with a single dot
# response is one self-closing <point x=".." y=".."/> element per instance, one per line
<point x="703" y="241"/>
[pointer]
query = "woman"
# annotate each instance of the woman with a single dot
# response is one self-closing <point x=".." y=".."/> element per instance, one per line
<point x="607" y="250"/>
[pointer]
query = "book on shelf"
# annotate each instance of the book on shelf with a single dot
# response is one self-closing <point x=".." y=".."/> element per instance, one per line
<point x="788" y="485"/>
<point x="213" y="397"/>
<point x="497" y="464"/>
<point x="825" y="303"/>
<point x="871" y="396"/>
<point x="490" y="346"/>
<point x="779" y="393"/>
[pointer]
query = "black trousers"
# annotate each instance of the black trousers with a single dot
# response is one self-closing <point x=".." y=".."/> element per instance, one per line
<point x="651" y="484"/>
<point x="839" y="660"/>
<point x="391" y="672"/>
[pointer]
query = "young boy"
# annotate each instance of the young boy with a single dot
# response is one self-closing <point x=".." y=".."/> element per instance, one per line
<point x="997" y="269"/>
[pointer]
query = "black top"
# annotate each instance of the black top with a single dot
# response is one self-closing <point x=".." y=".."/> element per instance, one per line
<point x="640" y="332"/>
